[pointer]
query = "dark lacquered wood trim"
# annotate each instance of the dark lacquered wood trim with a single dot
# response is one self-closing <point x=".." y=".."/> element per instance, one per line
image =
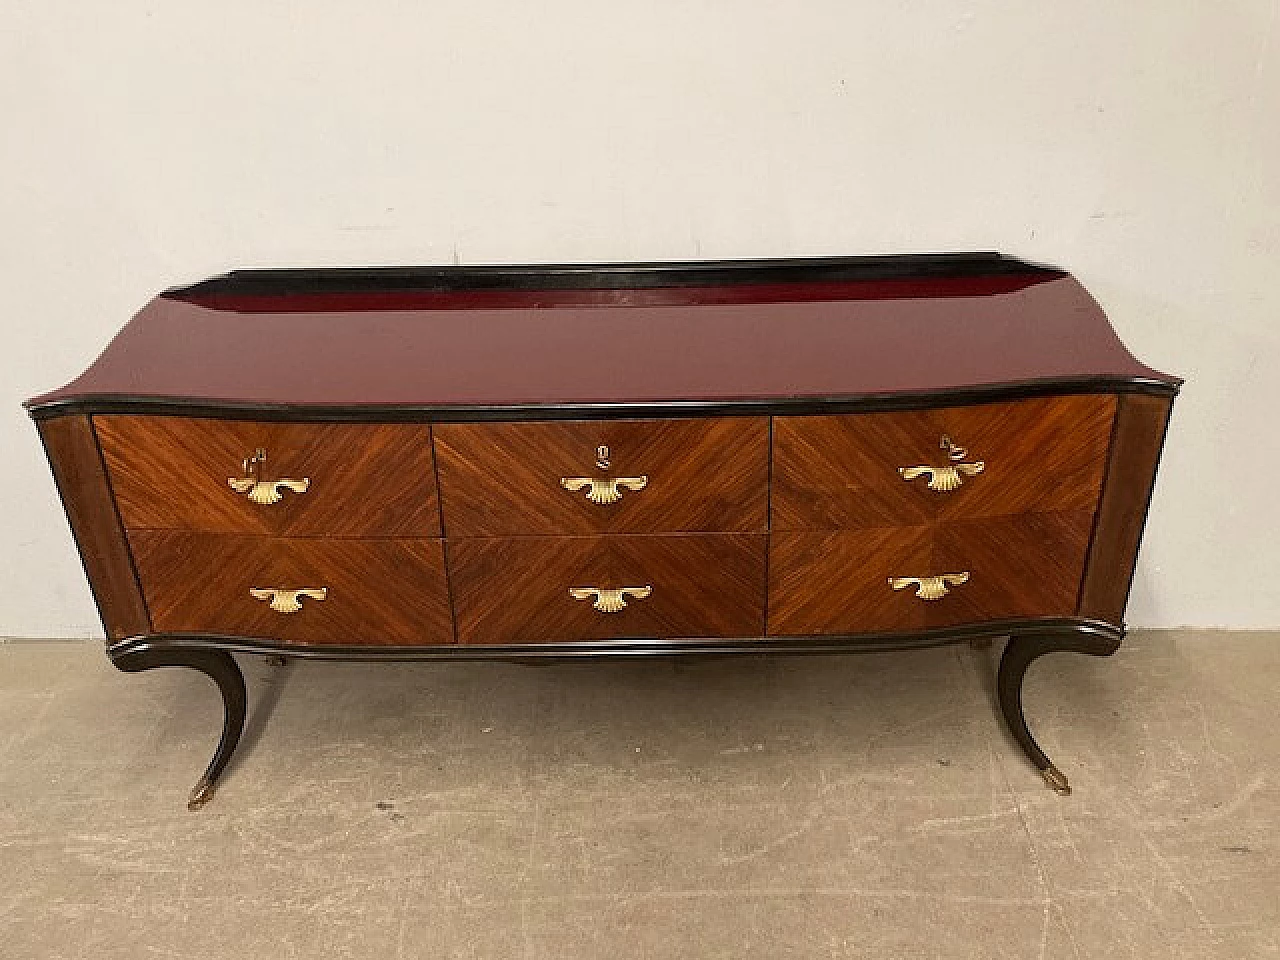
<point x="1019" y="653"/>
<point x="1137" y="441"/>
<point x="219" y="667"/>
<point x="865" y="643"/>
<point x="725" y="294"/>
<point x="604" y="276"/>
<point x="85" y="490"/>
<point x="785" y="406"/>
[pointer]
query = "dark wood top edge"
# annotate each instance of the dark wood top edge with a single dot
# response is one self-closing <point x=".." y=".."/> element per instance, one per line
<point x="559" y="297"/>
<point x="781" y="406"/>
<point x="284" y="282"/>
<point x="859" y="643"/>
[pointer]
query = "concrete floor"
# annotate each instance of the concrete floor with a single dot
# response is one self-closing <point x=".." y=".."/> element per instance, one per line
<point x="867" y="806"/>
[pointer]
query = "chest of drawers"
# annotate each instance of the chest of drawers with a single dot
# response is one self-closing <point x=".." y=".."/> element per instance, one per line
<point x="796" y="456"/>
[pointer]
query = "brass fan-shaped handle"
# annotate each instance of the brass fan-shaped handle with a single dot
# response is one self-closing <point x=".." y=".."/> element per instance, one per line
<point x="604" y="492"/>
<point x="282" y="600"/>
<point x="267" y="492"/>
<point x="947" y="478"/>
<point x="943" y="479"/>
<point x="610" y="599"/>
<point x="264" y="492"/>
<point x="930" y="588"/>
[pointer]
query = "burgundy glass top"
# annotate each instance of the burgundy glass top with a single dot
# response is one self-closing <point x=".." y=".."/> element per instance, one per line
<point x="659" y="345"/>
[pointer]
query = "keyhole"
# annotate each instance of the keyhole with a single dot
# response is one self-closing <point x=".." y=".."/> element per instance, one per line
<point x="954" y="451"/>
<point x="251" y="464"/>
<point x="602" y="457"/>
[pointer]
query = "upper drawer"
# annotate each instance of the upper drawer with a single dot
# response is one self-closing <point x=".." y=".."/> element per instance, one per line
<point x="604" y="476"/>
<point x="890" y="469"/>
<point x="317" y="479"/>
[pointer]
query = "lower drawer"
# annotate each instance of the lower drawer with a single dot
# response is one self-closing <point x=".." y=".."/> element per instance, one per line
<point x="1004" y="568"/>
<point x="356" y="591"/>
<point x="564" y="589"/>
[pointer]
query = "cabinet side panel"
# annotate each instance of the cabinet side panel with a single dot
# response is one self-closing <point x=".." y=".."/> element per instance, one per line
<point x="1140" y="427"/>
<point x="76" y="463"/>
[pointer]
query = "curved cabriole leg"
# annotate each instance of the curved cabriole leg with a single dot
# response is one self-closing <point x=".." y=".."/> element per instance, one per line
<point x="1018" y="656"/>
<point x="222" y="669"/>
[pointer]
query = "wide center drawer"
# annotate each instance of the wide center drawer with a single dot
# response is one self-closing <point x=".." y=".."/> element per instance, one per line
<point x="286" y="479"/>
<point x="605" y="476"/>
<point x="312" y="591"/>
<point x="564" y="589"/>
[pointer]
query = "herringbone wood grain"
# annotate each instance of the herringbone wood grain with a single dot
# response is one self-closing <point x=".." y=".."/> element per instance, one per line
<point x="844" y="523"/>
<point x="366" y="480"/>
<point x="379" y="591"/>
<point x="841" y="472"/>
<point x="517" y="590"/>
<point x="503" y="479"/>
<point x="836" y="582"/>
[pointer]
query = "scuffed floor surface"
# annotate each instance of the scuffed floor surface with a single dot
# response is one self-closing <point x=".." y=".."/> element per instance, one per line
<point x="831" y="807"/>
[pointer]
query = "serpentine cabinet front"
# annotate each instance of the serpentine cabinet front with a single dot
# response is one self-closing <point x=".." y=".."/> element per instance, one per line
<point x="568" y="531"/>
<point x="208" y="528"/>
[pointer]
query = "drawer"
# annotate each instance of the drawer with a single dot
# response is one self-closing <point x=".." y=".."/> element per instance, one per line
<point x="375" y="591"/>
<point x="318" y="479"/>
<point x="847" y="471"/>
<point x="679" y="585"/>
<point x="837" y="582"/>
<point x="604" y="476"/>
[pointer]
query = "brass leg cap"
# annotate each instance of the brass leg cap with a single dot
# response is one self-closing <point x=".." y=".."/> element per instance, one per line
<point x="201" y="795"/>
<point x="1057" y="780"/>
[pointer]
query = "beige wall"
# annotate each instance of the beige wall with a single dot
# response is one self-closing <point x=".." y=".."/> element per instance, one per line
<point x="1136" y="143"/>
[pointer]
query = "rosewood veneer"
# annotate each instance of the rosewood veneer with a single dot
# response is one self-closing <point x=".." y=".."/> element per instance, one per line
<point x="610" y="460"/>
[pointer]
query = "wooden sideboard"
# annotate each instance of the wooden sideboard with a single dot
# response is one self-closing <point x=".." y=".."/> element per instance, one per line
<point x="810" y="456"/>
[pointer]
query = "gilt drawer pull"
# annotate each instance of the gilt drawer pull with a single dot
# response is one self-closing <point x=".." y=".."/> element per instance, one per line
<point x="945" y="479"/>
<point x="608" y="600"/>
<point x="604" y="492"/>
<point x="287" y="601"/>
<point x="930" y="588"/>
<point x="261" y="491"/>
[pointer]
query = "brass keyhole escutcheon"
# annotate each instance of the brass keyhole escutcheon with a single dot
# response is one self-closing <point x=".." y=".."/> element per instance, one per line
<point x="946" y="478"/>
<point x="608" y="490"/>
<point x="955" y="452"/>
<point x="261" y="491"/>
